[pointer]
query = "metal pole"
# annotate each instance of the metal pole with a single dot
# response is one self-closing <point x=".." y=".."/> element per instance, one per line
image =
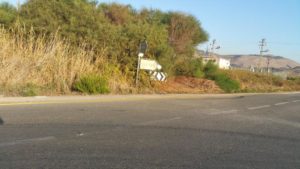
<point x="268" y="64"/>
<point x="262" y="43"/>
<point x="138" y="71"/>
<point x="142" y="50"/>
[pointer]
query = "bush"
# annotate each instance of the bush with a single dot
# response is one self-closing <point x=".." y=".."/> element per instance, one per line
<point x="92" y="84"/>
<point x="196" y="68"/>
<point x="226" y="83"/>
<point x="198" y="73"/>
<point x="190" y="67"/>
<point x="29" y="90"/>
<point x="210" y="70"/>
<point x="277" y="81"/>
<point x="181" y="68"/>
<point x="294" y="79"/>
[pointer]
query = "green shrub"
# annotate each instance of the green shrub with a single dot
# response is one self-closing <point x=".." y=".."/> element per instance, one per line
<point x="226" y="83"/>
<point x="181" y="68"/>
<point x="198" y="73"/>
<point x="210" y="70"/>
<point x="91" y="84"/>
<point x="223" y="80"/>
<point x="196" y="66"/>
<point x="190" y="67"/>
<point x="294" y="79"/>
<point x="29" y="90"/>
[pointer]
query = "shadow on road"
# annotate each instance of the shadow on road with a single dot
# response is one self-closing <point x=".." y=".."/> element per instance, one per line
<point x="1" y="121"/>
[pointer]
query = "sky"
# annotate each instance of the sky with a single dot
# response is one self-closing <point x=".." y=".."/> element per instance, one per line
<point x="238" y="25"/>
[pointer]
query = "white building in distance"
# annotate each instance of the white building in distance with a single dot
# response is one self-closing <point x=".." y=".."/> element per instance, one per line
<point x="221" y="62"/>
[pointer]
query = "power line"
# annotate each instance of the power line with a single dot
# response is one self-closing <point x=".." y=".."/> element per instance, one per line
<point x="262" y="45"/>
<point x="213" y="47"/>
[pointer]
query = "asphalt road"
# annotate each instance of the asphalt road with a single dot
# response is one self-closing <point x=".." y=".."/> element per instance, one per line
<point x="152" y="132"/>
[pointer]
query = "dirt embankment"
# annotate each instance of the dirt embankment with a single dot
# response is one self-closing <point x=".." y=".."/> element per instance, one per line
<point x="183" y="84"/>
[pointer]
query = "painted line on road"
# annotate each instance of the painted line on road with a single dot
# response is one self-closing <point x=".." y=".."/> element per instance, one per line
<point x="158" y="121"/>
<point x="263" y="120"/>
<point x="100" y="100"/>
<point x="40" y="97"/>
<point x="27" y="141"/>
<point x="72" y="101"/>
<point x="282" y="103"/>
<point x="259" y="107"/>
<point x="296" y="101"/>
<point x="224" y="112"/>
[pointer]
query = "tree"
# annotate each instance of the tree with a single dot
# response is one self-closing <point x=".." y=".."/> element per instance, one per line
<point x="76" y="20"/>
<point x="185" y="32"/>
<point x="116" y="13"/>
<point x="8" y="14"/>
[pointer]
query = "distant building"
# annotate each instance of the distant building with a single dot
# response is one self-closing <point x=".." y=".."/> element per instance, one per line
<point x="221" y="62"/>
<point x="224" y="63"/>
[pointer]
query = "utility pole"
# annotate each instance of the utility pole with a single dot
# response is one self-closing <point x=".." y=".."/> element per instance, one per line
<point x="262" y="45"/>
<point x="268" y="64"/>
<point x="213" y="47"/>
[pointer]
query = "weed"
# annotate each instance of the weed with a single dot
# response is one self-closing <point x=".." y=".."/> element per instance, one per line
<point x="226" y="83"/>
<point x="29" y="90"/>
<point x="92" y="84"/>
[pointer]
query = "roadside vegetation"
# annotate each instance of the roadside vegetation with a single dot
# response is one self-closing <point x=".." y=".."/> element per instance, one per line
<point x="62" y="47"/>
<point x="257" y="82"/>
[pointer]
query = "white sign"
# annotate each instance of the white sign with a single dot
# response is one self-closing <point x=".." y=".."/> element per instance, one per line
<point x="148" y="64"/>
<point x="141" y="55"/>
<point x="160" y="76"/>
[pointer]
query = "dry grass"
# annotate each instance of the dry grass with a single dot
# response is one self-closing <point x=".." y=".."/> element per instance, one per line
<point x="182" y="84"/>
<point x="49" y="64"/>
<point x="257" y="82"/>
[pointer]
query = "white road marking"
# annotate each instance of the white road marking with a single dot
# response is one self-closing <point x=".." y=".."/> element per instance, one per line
<point x="26" y="141"/>
<point x="282" y="103"/>
<point x="263" y="120"/>
<point x="80" y="134"/>
<point x="295" y="101"/>
<point x="159" y="121"/>
<point x="40" y="97"/>
<point x="259" y="107"/>
<point x="224" y="112"/>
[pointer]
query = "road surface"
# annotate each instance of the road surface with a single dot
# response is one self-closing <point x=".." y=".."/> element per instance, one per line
<point x="152" y="132"/>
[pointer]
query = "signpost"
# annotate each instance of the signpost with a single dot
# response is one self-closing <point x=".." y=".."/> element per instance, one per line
<point x="151" y="65"/>
<point x="142" y="50"/>
<point x="147" y="64"/>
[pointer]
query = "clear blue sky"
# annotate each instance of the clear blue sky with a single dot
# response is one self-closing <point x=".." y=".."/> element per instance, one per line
<point x="238" y="25"/>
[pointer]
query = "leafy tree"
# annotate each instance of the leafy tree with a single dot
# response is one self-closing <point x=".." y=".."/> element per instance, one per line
<point x="185" y="32"/>
<point x="8" y="14"/>
<point x="116" y="13"/>
<point x="77" y="20"/>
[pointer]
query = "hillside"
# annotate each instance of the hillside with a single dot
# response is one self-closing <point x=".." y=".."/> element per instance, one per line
<point x="246" y="61"/>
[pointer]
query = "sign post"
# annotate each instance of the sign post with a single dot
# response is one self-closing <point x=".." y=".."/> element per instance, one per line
<point x="142" y="50"/>
<point x="147" y="64"/>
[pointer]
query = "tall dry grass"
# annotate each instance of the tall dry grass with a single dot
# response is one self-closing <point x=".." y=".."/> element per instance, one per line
<point x="49" y="63"/>
<point x="257" y="82"/>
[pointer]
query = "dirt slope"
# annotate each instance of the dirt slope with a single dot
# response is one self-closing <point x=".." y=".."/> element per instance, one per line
<point x="183" y="84"/>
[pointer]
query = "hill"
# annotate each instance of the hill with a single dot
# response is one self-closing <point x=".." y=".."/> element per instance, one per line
<point x="246" y="61"/>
